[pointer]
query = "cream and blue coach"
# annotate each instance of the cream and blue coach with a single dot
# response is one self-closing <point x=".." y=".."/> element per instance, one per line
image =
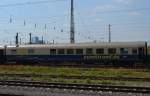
<point x="103" y="52"/>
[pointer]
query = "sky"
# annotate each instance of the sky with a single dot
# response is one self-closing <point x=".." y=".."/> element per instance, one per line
<point x="129" y="19"/>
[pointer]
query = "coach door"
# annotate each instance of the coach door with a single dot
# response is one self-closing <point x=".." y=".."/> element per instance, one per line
<point x="141" y="53"/>
<point x="1" y="56"/>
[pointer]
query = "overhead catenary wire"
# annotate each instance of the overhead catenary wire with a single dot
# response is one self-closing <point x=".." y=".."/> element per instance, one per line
<point x="83" y="24"/>
<point x="124" y="10"/>
<point x="30" y="3"/>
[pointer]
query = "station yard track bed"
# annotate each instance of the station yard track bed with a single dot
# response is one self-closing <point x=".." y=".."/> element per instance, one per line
<point x="104" y="88"/>
<point x="10" y="95"/>
<point x="91" y="65"/>
<point x="77" y="77"/>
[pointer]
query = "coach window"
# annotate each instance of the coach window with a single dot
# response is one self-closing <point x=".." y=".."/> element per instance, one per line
<point x="13" y="52"/>
<point x="53" y="51"/>
<point x="111" y="51"/>
<point x="30" y="51"/>
<point x="124" y="50"/>
<point x="134" y="51"/>
<point x="61" y="51"/>
<point x="100" y="51"/>
<point x="79" y="51"/>
<point x="89" y="51"/>
<point x="70" y="51"/>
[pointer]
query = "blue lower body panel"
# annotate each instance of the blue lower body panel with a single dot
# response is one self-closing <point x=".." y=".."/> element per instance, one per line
<point x="129" y="58"/>
<point x="59" y="58"/>
<point x="45" y="58"/>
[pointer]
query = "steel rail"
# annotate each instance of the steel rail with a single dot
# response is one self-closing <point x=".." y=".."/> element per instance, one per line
<point x="9" y="95"/>
<point x="127" y="89"/>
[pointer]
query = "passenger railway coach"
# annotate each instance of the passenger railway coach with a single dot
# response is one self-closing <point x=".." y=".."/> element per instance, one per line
<point x="90" y="53"/>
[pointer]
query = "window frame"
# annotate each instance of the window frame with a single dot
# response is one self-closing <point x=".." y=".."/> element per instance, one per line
<point x="79" y="51"/>
<point x="53" y="51"/>
<point x="61" y="51"/>
<point x="89" y="51"/>
<point x="70" y="51"/>
<point x="124" y="51"/>
<point x="112" y="52"/>
<point x="100" y="51"/>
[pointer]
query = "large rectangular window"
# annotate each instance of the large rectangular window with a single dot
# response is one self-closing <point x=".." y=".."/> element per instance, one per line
<point x="100" y="51"/>
<point x="70" y="51"/>
<point x="79" y="51"/>
<point x="123" y="50"/>
<point x="89" y="51"/>
<point x="111" y="51"/>
<point x="61" y="51"/>
<point x="52" y="51"/>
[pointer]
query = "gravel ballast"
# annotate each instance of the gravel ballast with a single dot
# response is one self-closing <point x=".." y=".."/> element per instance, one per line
<point x="25" y="91"/>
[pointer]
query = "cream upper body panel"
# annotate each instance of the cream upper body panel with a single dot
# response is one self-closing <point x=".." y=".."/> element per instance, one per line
<point x="45" y="49"/>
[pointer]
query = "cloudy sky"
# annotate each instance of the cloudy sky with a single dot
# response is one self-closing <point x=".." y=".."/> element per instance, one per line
<point x="130" y="20"/>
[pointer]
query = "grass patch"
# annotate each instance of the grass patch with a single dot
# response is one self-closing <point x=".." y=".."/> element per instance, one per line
<point x="99" y="72"/>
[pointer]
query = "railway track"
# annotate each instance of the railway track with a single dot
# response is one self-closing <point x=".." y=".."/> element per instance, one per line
<point x="135" y="66"/>
<point x="103" y="88"/>
<point x="10" y="95"/>
<point x="77" y="77"/>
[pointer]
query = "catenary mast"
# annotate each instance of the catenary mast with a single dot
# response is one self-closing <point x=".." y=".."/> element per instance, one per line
<point x="72" y="29"/>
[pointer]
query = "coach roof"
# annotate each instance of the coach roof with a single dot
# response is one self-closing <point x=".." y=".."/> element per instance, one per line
<point x="82" y="45"/>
